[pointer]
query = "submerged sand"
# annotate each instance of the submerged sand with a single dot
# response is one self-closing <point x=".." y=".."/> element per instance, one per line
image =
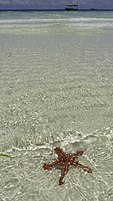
<point x="56" y="89"/>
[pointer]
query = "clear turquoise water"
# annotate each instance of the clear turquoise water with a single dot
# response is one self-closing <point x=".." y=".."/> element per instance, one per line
<point x="56" y="89"/>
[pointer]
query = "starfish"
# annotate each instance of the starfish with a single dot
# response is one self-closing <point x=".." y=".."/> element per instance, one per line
<point x="64" y="161"/>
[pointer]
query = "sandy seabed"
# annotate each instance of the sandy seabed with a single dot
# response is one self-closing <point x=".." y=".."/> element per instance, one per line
<point x="56" y="89"/>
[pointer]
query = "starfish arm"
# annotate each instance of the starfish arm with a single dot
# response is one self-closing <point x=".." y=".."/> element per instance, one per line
<point x="47" y="166"/>
<point x="64" y="171"/>
<point x="79" y="153"/>
<point x="85" y="168"/>
<point x="50" y="166"/>
<point x="61" y="154"/>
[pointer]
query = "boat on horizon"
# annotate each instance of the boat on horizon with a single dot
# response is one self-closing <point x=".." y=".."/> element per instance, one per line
<point x="71" y="7"/>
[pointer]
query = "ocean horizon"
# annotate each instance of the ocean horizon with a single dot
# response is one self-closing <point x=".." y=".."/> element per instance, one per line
<point x="57" y="9"/>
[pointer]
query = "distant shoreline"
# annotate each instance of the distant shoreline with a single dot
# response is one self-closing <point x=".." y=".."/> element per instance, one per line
<point x="27" y="10"/>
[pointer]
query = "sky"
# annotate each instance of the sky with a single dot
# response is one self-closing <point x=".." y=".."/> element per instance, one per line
<point x="54" y="4"/>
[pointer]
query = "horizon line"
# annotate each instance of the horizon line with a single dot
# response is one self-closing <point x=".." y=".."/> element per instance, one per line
<point x="82" y="9"/>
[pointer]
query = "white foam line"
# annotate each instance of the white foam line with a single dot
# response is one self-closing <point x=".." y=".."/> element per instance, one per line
<point x="55" y="20"/>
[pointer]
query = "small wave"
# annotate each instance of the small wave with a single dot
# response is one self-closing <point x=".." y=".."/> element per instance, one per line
<point x="81" y="24"/>
<point x="68" y="22"/>
<point x="35" y="20"/>
<point x="65" y="138"/>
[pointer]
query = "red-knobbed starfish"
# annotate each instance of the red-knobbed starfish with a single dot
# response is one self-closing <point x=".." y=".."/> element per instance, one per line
<point x="64" y="161"/>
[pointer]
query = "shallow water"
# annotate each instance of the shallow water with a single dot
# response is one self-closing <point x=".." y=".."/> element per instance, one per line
<point x="56" y="89"/>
